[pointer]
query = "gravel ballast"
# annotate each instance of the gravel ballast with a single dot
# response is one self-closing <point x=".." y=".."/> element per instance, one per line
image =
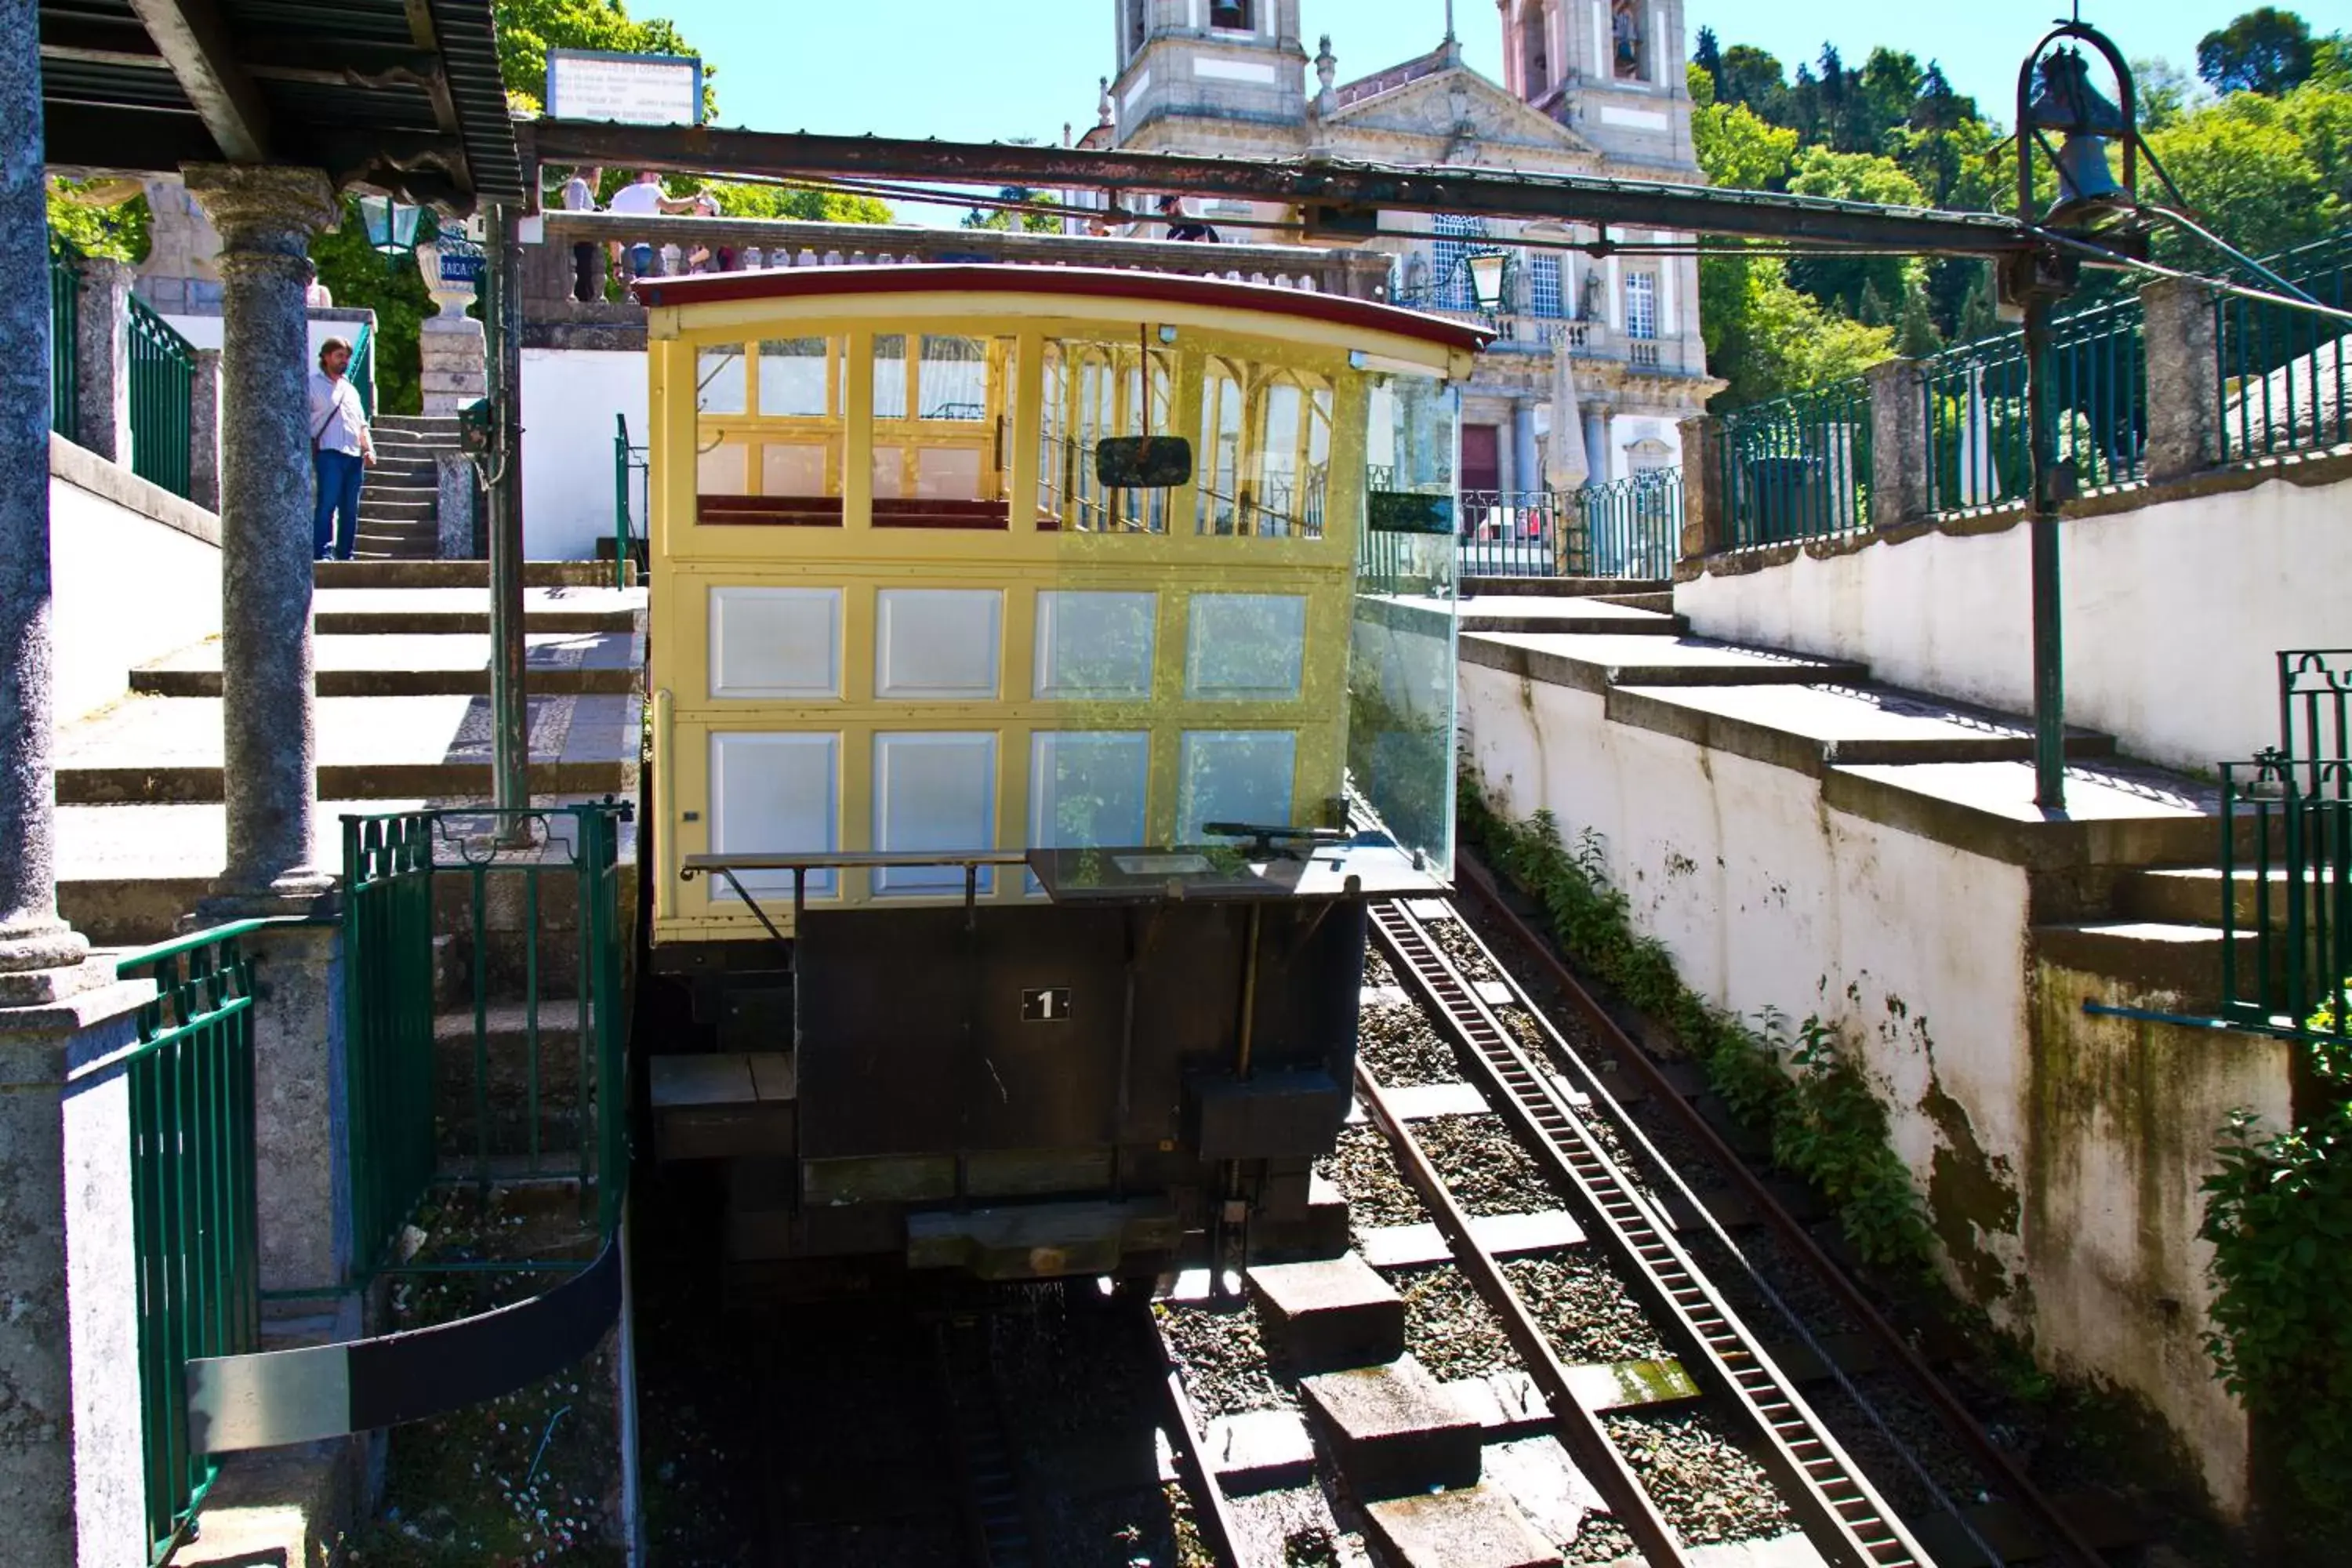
<point x="1364" y="1170"/>
<point x="1454" y="940"/>
<point x="1398" y="1044"/>
<point x="1481" y="1159"/>
<point x="1222" y="1353"/>
<point x="1704" y="1484"/>
<point x="1449" y="1327"/>
<point x="1585" y="1309"/>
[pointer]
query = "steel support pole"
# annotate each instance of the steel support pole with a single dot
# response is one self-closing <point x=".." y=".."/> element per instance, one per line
<point x="2049" y="492"/>
<point x="510" y="712"/>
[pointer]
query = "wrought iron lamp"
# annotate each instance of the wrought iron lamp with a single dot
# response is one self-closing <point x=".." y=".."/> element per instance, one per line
<point x="1488" y="269"/>
<point x="391" y="228"/>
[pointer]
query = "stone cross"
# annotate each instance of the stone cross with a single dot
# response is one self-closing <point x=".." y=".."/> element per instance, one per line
<point x="266" y="216"/>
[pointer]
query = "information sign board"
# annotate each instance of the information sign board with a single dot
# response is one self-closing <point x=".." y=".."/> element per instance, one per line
<point x="631" y="90"/>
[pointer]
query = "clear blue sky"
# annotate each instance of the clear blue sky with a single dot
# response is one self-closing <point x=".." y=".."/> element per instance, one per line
<point x="960" y="70"/>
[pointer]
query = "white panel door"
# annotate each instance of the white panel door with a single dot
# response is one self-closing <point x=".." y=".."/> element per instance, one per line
<point x="1094" y="646"/>
<point x="940" y="644"/>
<point x="933" y="791"/>
<point x="774" y="794"/>
<point x="780" y="644"/>
<point x="1246" y="647"/>
<point x="1234" y="775"/>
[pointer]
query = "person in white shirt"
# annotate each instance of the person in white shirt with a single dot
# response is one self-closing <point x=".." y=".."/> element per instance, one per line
<point x="580" y="196"/>
<point x="644" y="198"/>
<point x="340" y="452"/>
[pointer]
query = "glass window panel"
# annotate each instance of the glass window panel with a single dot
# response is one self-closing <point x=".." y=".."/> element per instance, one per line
<point x="1219" y="452"/>
<point x="889" y="473"/>
<point x="948" y="473"/>
<point x="719" y="379"/>
<point x="792" y="379"/>
<point x="953" y="380"/>
<point x="795" y="468"/>
<point x="891" y="377"/>
<point x="1234" y="777"/>
<point x="723" y="470"/>
<point x="1056" y="451"/>
<point x="1641" y="305"/>
<point x="1543" y="298"/>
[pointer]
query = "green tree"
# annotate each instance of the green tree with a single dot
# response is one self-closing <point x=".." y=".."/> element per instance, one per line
<point x="1844" y="280"/>
<point x="2166" y="93"/>
<point x="1735" y="146"/>
<point x="100" y="218"/>
<point x="2242" y="166"/>
<point x="2266" y="50"/>
<point x="1768" y="338"/>
<point x="1916" y="336"/>
<point x="1754" y="77"/>
<point x="362" y="279"/>
<point x="738" y="200"/>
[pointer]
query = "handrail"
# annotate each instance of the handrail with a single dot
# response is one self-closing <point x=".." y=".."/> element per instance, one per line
<point x="125" y="962"/>
<point x="163" y="387"/>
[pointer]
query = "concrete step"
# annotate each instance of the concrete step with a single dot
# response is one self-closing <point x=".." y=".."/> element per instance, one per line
<point x="1473" y="1527"/>
<point x="1661" y="603"/>
<point x="555" y="663"/>
<point x="2193" y="895"/>
<point x="457" y="575"/>
<point x="1568" y="587"/>
<point x="1597" y="662"/>
<point x="2184" y="961"/>
<point x="716" y="1106"/>
<point x="1546" y="612"/>
<point x="1331" y="1313"/>
<point x="1812" y="728"/>
<point x="1392" y="1430"/>
<point x="149" y="749"/>
<point x="394" y="611"/>
<point x="399" y="503"/>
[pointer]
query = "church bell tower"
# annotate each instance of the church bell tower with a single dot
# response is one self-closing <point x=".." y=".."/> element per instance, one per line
<point x="1187" y="65"/>
<point x="1611" y="69"/>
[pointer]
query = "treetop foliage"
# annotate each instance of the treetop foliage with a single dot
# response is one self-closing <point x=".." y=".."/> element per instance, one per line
<point x="2259" y="141"/>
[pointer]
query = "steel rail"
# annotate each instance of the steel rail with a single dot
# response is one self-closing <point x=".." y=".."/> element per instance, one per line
<point x="1996" y="1461"/>
<point x="1212" y="1512"/>
<point x="1580" y="1431"/>
<point x="1840" y="1512"/>
<point x="1354" y="191"/>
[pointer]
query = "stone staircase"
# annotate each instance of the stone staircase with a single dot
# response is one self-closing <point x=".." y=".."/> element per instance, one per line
<point x="2125" y="885"/>
<point x="400" y="504"/>
<point x="402" y="716"/>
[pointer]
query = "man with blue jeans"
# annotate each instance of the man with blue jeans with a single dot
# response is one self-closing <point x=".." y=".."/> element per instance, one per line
<point x="340" y="452"/>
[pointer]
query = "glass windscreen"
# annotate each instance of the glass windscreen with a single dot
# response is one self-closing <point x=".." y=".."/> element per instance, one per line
<point x="1401" y="669"/>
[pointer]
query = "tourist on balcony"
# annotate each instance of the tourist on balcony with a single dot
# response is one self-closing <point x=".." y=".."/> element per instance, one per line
<point x="580" y="196"/>
<point x="340" y="452"/>
<point x="1182" y="227"/>
<point x="645" y="198"/>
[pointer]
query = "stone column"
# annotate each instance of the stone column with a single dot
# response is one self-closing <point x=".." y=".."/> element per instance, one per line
<point x="102" y="359"/>
<point x="41" y="958"/>
<point x="71" y="1486"/>
<point x="1705" y="531"/>
<point x="2184" y="394"/>
<point x="203" y="431"/>
<point x="266" y="216"/>
<point x="456" y="485"/>
<point x="1899" y="443"/>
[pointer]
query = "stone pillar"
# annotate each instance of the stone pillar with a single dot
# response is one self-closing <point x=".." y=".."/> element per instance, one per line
<point x="102" y="359"/>
<point x="456" y="368"/>
<point x="203" y="431"/>
<point x="71" y="1476"/>
<point x="41" y="958"/>
<point x="1523" y="445"/>
<point x="301" y="1127"/>
<point x="266" y="216"/>
<point x="1705" y="521"/>
<point x="456" y="484"/>
<point x="1899" y="443"/>
<point x="2184" y="394"/>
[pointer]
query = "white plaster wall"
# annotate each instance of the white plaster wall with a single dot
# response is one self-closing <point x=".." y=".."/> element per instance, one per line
<point x="1918" y="951"/>
<point x="126" y="590"/>
<point x="568" y="399"/>
<point x="2173" y="614"/>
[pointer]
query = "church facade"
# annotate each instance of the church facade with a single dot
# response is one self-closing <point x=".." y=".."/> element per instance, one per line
<point x="1590" y="86"/>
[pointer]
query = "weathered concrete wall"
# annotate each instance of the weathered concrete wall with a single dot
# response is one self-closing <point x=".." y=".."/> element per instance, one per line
<point x="135" y="574"/>
<point x="2173" y="609"/>
<point x="568" y="399"/>
<point x="2059" y="1159"/>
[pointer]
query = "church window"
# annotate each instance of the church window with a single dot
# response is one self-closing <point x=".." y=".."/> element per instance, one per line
<point x="1231" y="14"/>
<point x="1628" y="54"/>
<point x="1449" y="268"/>
<point x="1137" y="27"/>
<point x="1543" y="286"/>
<point x="1539" y="61"/>
<point x="1641" y="306"/>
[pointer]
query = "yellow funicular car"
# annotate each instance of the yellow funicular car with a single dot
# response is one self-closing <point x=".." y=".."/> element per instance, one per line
<point x="1049" y="663"/>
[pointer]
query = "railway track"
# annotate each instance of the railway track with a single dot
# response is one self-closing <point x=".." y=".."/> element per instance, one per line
<point x="1561" y="1111"/>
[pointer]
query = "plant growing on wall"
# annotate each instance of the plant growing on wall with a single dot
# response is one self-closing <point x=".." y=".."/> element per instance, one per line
<point x="2279" y="1216"/>
<point x="1807" y="1091"/>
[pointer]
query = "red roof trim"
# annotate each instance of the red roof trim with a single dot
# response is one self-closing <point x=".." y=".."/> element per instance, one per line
<point x="1083" y="282"/>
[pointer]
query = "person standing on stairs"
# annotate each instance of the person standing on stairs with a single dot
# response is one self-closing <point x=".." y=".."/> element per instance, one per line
<point x="341" y="450"/>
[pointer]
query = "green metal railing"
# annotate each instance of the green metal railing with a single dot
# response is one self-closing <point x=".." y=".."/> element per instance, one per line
<point x="362" y="369"/>
<point x="504" y="1058"/>
<point x="1631" y="528"/>
<point x="65" y="330"/>
<point x="1979" y="440"/>
<point x="194" y="1220"/>
<point x="631" y="466"/>
<point x="2287" y="836"/>
<point x="1797" y="468"/>
<point x="162" y="385"/>
<point x="2284" y="376"/>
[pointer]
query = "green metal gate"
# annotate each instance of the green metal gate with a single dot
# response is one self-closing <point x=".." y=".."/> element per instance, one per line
<point x="163" y="384"/>
<point x="487" y="1009"/>
<point x="65" y="339"/>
